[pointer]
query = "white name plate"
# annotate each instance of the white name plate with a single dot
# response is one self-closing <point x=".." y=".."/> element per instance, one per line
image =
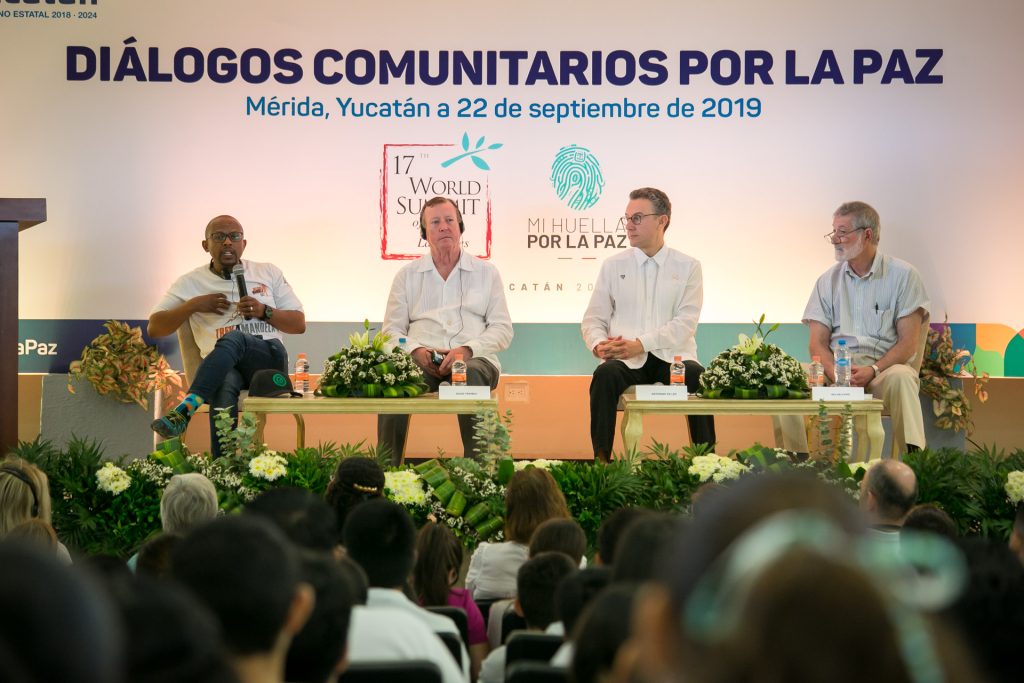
<point x="660" y="392"/>
<point x="452" y="393"/>
<point x="838" y="394"/>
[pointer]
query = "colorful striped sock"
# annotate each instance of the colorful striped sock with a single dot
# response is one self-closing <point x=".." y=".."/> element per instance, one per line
<point x="190" y="405"/>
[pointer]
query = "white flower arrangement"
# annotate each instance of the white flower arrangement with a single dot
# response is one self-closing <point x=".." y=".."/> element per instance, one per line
<point x="754" y="369"/>
<point x="367" y="368"/>
<point x="540" y="463"/>
<point x="405" y="487"/>
<point x="1015" y="487"/>
<point x="112" y="479"/>
<point x="269" y="466"/>
<point x="716" y="468"/>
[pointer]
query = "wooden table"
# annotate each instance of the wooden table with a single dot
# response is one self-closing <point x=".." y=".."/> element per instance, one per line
<point x="427" y="404"/>
<point x="869" y="410"/>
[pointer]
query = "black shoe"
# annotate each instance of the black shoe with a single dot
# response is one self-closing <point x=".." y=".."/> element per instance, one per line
<point x="170" y="425"/>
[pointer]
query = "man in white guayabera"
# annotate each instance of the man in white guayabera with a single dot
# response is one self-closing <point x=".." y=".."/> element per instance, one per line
<point x="446" y="303"/>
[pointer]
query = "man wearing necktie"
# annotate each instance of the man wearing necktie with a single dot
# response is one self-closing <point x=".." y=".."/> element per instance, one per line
<point x="643" y="313"/>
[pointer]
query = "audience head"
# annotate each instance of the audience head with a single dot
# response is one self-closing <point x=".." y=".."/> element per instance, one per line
<point x="990" y="611"/>
<point x="36" y="532"/>
<point x="705" y="492"/>
<point x="601" y="630"/>
<point x="355" y="481"/>
<point x="576" y="592"/>
<point x="246" y="572"/>
<point x="24" y="494"/>
<point x="532" y="497"/>
<point x="170" y="637"/>
<point x="560" y="536"/>
<point x="438" y="563"/>
<point x="536" y="582"/>
<point x="610" y="532"/>
<point x="305" y="519"/>
<point x="888" y="491"/>
<point x="154" y="558"/>
<point x="56" y="624"/>
<point x="318" y="652"/>
<point x="356" y="578"/>
<point x="931" y="518"/>
<point x="188" y="501"/>
<point x="643" y="545"/>
<point x="380" y="536"/>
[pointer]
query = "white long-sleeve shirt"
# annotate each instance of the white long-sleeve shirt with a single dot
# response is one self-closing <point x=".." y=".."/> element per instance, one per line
<point x="467" y="309"/>
<point x="620" y="297"/>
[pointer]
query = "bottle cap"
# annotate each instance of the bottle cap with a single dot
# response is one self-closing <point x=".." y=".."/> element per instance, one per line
<point x="842" y="342"/>
<point x="458" y="356"/>
<point x="679" y="359"/>
<point x="815" y="359"/>
<point x="302" y="355"/>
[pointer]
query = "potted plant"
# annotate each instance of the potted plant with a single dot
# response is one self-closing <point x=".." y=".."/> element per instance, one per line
<point x="116" y="375"/>
<point x="942" y="392"/>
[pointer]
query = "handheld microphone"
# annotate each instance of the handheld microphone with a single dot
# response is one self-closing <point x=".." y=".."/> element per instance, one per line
<point x="239" y="272"/>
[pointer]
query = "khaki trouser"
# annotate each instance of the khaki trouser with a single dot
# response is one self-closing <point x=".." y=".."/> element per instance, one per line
<point x="898" y="386"/>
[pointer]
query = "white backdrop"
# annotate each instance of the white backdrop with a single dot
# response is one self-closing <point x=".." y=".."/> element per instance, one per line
<point x="133" y="170"/>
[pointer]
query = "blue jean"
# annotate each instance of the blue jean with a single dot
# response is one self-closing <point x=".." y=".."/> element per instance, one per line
<point x="229" y="368"/>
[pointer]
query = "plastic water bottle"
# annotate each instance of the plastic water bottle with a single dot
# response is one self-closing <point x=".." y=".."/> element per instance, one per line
<point x="302" y="374"/>
<point x="843" y="367"/>
<point x="677" y="374"/>
<point x="816" y="372"/>
<point x="459" y="371"/>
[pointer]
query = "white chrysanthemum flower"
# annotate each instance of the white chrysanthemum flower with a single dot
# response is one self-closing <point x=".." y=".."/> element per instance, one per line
<point x="1015" y="487"/>
<point x="269" y="466"/>
<point x="405" y="488"/>
<point x="716" y="468"/>
<point x="540" y="463"/>
<point x="112" y="479"/>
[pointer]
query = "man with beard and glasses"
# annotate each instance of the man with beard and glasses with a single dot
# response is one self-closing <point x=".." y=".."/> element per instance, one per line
<point x="878" y="304"/>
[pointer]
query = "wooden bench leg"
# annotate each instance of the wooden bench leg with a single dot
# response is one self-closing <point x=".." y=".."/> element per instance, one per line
<point x="300" y="431"/>
<point x="261" y="423"/>
<point x="876" y="435"/>
<point x="632" y="429"/>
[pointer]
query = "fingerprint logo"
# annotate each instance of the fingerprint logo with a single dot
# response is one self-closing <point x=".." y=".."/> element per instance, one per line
<point x="577" y="178"/>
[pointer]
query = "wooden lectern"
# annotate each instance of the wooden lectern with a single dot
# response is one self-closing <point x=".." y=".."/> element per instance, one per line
<point x="15" y="215"/>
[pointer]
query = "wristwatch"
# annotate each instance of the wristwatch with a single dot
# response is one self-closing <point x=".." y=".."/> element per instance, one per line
<point x="875" y="368"/>
<point x="268" y="313"/>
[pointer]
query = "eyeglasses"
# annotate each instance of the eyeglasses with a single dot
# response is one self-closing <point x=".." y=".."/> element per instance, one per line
<point x="840" y="236"/>
<point x="637" y="218"/>
<point x="220" y="237"/>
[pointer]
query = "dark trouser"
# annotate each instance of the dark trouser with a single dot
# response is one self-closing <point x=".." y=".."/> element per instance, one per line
<point x="612" y="377"/>
<point x="393" y="430"/>
<point x="229" y="368"/>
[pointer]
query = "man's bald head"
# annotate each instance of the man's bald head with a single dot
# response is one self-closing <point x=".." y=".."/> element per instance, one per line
<point x="223" y="223"/>
<point x="889" y="491"/>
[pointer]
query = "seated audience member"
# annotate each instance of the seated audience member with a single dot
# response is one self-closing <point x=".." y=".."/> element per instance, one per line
<point x="37" y="532"/>
<point x="642" y="546"/>
<point x="739" y="599"/>
<point x="188" y="501"/>
<point x="887" y="493"/>
<point x="170" y="637"/>
<point x="355" y="481"/>
<point x="154" y="557"/>
<point x="55" y="623"/>
<point x="438" y="564"/>
<point x="561" y="536"/>
<point x="25" y="495"/>
<point x="318" y="652"/>
<point x="536" y="582"/>
<point x="1017" y="533"/>
<point x="610" y="531"/>
<point x="572" y="597"/>
<point x="990" y="611"/>
<point x="704" y="493"/>
<point x="305" y="519"/>
<point x="246" y="573"/>
<point x="356" y="578"/>
<point x="931" y="518"/>
<point x="532" y="497"/>
<point x="602" y="629"/>
<point x="380" y="536"/>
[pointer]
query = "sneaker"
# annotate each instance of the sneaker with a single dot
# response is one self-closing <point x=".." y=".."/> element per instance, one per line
<point x="170" y="425"/>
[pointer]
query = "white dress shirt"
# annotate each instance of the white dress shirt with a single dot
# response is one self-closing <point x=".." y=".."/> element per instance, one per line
<point x="493" y="568"/>
<point x="387" y="634"/>
<point x="654" y="299"/>
<point x="467" y="309"/>
<point x="438" y="623"/>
